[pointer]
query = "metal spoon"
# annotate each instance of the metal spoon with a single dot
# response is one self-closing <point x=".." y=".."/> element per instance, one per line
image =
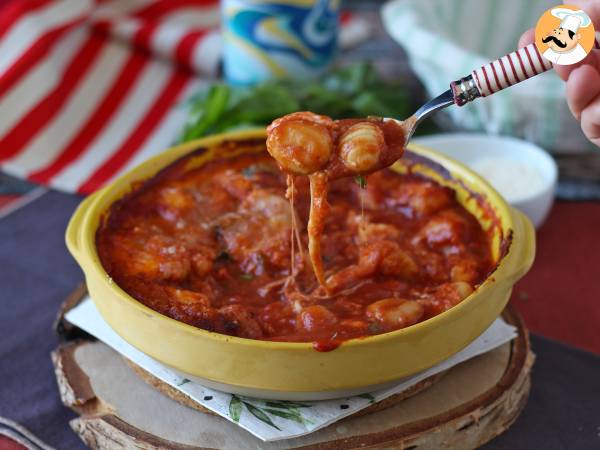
<point x="511" y="69"/>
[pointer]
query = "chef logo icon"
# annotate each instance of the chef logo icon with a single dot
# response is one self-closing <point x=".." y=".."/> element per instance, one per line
<point x="564" y="35"/>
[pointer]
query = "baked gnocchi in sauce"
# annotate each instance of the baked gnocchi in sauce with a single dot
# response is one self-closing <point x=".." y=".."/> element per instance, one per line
<point x="305" y="143"/>
<point x="219" y="247"/>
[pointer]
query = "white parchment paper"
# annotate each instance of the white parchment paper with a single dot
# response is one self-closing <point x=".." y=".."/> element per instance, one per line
<point x="267" y="419"/>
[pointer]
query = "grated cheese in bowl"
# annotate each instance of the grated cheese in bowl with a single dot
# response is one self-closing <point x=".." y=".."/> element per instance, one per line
<point x="513" y="179"/>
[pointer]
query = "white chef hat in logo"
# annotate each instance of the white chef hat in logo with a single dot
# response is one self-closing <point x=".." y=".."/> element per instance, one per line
<point x="571" y="20"/>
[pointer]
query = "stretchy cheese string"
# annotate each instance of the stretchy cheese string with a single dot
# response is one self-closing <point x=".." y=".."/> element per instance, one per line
<point x="290" y="195"/>
<point x="319" y="209"/>
<point x="331" y="169"/>
<point x="294" y="232"/>
<point x="297" y="233"/>
<point x="361" y="225"/>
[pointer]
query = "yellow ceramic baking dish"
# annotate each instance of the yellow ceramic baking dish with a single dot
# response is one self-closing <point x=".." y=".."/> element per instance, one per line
<point x="295" y="370"/>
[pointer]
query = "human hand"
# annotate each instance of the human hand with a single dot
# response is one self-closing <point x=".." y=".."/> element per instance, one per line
<point x="583" y="78"/>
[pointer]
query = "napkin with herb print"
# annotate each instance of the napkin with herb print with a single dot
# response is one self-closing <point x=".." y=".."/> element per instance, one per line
<point x="271" y="420"/>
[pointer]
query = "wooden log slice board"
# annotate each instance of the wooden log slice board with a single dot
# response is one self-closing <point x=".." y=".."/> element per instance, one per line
<point x="120" y="406"/>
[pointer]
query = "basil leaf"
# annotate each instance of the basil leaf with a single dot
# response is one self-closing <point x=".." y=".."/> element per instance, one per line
<point x="209" y="111"/>
<point x="352" y="91"/>
<point x="361" y="180"/>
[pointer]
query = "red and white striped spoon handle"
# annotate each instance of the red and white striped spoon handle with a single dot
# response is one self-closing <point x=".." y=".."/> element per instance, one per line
<point x="511" y="69"/>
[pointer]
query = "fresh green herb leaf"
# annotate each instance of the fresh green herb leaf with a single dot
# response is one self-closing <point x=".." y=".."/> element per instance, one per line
<point x="361" y="180"/>
<point x="260" y="415"/>
<point x="246" y="276"/>
<point x="208" y="112"/>
<point x="235" y="408"/>
<point x="352" y="91"/>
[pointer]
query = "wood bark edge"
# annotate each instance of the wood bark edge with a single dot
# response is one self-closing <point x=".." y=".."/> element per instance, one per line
<point x="466" y="427"/>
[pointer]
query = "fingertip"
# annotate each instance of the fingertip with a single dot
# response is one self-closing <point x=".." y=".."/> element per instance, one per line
<point x="590" y="121"/>
<point x="527" y="38"/>
<point x="564" y="72"/>
<point x="583" y="87"/>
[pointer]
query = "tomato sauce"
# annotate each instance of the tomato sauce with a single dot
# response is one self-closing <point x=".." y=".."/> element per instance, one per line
<point x="212" y="247"/>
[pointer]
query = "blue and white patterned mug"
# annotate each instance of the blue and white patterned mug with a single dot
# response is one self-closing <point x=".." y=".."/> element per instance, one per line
<point x="271" y="39"/>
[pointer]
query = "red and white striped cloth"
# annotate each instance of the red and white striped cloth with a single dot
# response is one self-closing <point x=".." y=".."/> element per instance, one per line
<point x="90" y="88"/>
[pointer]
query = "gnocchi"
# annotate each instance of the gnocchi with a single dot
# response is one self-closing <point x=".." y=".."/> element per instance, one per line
<point x="394" y="313"/>
<point x="360" y="146"/>
<point x="301" y="143"/>
<point x="305" y="143"/>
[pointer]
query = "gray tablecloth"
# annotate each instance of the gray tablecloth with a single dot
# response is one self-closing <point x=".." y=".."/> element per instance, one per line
<point x="37" y="273"/>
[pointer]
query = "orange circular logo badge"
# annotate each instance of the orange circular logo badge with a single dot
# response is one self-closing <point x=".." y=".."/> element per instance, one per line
<point x="564" y="35"/>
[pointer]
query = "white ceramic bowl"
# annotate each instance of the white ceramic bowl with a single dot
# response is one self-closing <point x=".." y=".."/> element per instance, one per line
<point x="472" y="148"/>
